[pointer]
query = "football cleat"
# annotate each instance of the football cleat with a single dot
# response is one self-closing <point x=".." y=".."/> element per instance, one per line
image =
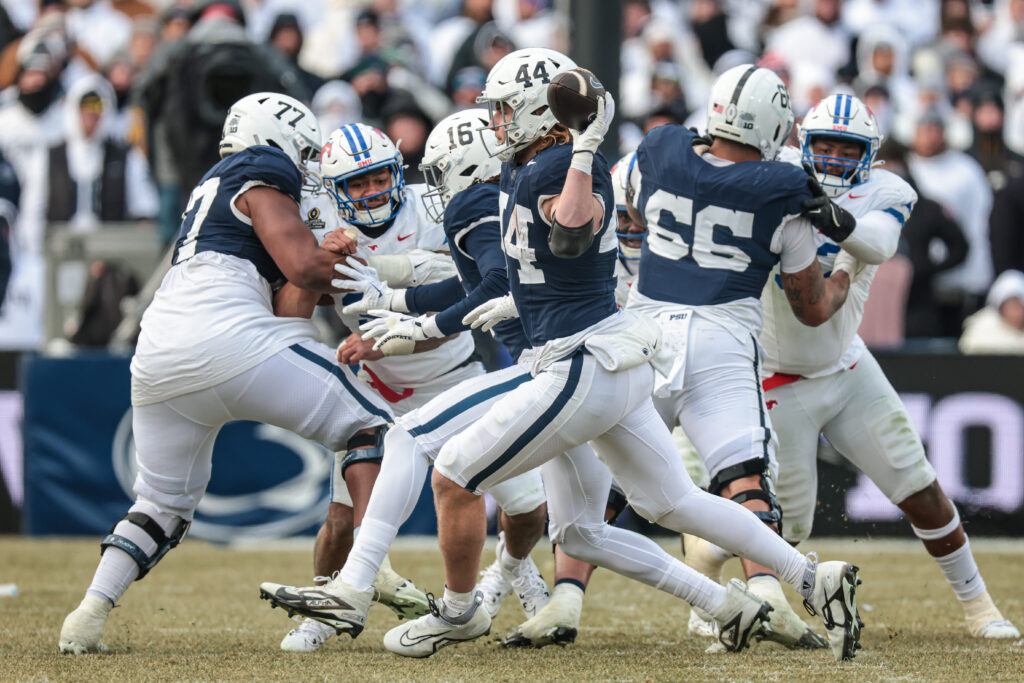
<point x="834" y="598"/>
<point x="786" y="627"/>
<point x="701" y="624"/>
<point x="984" y="620"/>
<point x="399" y="594"/>
<point x="997" y="629"/>
<point x="308" y="636"/>
<point x="424" y="636"/>
<point x="494" y="587"/>
<point x="557" y="623"/>
<point x="336" y="604"/>
<point x="741" y="617"/>
<point x="83" y="627"/>
<point x="529" y="587"/>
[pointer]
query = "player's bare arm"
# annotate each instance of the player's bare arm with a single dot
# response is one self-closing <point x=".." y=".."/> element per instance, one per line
<point x="276" y="221"/>
<point x="813" y="298"/>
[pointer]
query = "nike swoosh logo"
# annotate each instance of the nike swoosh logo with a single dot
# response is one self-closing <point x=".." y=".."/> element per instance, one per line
<point x="530" y="163"/>
<point x="857" y="196"/>
<point x="405" y="237"/>
<point x="404" y="639"/>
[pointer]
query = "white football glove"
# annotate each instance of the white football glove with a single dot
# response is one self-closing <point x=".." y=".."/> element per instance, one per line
<point x="490" y="313"/>
<point x="376" y="294"/>
<point x="848" y="263"/>
<point x="586" y="142"/>
<point x="398" y="333"/>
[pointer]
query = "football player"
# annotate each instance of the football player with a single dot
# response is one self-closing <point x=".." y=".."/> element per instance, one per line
<point x="629" y="233"/>
<point x="720" y="214"/>
<point x="212" y="350"/>
<point x="455" y="160"/>
<point x="823" y="380"/>
<point x="365" y="190"/>
<point x="589" y="381"/>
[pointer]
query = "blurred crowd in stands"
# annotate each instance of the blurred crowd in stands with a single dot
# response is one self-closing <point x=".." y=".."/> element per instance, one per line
<point x="111" y="109"/>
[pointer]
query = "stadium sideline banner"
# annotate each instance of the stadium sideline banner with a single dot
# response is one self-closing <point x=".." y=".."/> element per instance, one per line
<point x="79" y="462"/>
<point x="267" y="482"/>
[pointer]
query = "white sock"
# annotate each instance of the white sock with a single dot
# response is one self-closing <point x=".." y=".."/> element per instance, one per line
<point x="735" y="528"/>
<point x="394" y="496"/>
<point x="117" y="570"/>
<point x="368" y="553"/>
<point x="962" y="573"/>
<point x="456" y="604"/>
<point x="512" y="565"/>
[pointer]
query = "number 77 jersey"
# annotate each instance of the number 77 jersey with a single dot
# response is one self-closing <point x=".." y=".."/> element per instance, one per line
<point x="715" y="228"/>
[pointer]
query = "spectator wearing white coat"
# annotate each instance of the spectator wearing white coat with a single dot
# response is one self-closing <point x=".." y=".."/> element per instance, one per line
<point x="999" y="327"/>
<point x="94" y="174"/>
<point x="956" y="181"/>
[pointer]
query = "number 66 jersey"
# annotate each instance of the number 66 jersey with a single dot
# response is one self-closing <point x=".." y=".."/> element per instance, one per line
<point x="715" y="229"/>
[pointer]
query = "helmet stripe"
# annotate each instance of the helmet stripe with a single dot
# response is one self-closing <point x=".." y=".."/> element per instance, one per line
<point x="849" y="103"/>
<point x="362" y="141"/>
<point x="835" y="111"/>
<point x="348" y="136"/>
<point x="742" y="82"/>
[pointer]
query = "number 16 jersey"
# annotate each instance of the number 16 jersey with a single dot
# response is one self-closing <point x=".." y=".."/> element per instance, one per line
<point x="715" y="228"/>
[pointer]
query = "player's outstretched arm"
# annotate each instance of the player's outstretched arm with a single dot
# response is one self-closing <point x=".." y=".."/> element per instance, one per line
<point x="812" y="297"/>
<point x="288" y="240"/>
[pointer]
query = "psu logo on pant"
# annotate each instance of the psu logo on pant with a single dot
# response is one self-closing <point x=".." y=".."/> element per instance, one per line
<point x="266" y="482"/>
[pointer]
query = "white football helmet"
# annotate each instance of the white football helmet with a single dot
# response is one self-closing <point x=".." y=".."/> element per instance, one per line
<point x="455" y="157"/>
<point x="520" y="80"/>
<point x="267" y="118"/>
<point x="351" y="151"/>
<point x="845" y="117"/>
<point x="631" y="237"/>
<point x="750" y="105"/>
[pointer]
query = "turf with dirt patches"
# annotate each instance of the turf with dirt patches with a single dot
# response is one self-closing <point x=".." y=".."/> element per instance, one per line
<point x="197" y="617"/>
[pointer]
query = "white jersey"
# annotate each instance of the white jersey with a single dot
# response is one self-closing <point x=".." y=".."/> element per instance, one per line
<point x="414" y="234"/>
<point x="625" y="276"/>
<point x="211" y="319"/>
<point x="794" y="348"/>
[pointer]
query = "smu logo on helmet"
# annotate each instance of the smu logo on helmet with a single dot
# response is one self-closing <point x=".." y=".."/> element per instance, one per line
<point x="267" y="482"/>
<point x="326" y="150"/>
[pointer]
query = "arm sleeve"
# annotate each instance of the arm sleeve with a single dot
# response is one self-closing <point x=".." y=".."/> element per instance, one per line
<point x="494" y="283"/>
<point x="796" y="245"/>
<point x="435" y="297"/>
<point x="876" y="237"/>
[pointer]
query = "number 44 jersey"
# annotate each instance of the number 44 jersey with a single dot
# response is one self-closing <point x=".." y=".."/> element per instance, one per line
<point x="715" y="229"/>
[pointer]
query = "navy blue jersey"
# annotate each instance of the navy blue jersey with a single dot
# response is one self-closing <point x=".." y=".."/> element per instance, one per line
<point x="474" y="235"/>
<point x="212" y="223"/>
<point x="556" y="297"/>
<point x="710" y="227"/>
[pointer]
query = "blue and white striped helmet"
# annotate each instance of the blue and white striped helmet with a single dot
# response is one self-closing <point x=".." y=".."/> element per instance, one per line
<point x="354" y="150"/>
<point x="845" y="117"/>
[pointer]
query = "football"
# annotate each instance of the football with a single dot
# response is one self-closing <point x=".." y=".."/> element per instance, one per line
<point x="572" y="96"/>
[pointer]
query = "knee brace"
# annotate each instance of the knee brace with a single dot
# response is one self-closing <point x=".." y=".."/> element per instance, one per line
<point x="617" y="503"/>
<point x="163" y="542"/>
<point x="365" y="448"/>
<point x="766" y="492"/>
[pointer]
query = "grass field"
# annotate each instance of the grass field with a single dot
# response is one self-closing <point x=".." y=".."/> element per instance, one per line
<point x="197" y="617"/>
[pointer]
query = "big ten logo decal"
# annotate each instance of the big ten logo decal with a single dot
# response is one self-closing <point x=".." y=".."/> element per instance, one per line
<point x="945" y="427"/>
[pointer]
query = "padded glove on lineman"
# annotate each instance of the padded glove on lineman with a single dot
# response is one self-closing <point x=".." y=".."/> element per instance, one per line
<point x="376" y="294"/>
<point x="490" y="313"/>
<point x="832" y="220"/>
<point x="397" y="333"/>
